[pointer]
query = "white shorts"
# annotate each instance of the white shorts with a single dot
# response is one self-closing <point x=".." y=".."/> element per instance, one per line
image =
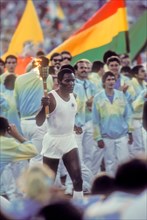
<point x="55" y="146"/>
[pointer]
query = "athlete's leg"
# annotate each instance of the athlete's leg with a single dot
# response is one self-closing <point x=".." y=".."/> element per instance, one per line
<point x="52" y="163"/>
<point x="72" y="163"/>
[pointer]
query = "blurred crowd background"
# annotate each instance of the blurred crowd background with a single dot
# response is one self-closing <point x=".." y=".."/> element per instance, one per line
<point x="57" y="26"/>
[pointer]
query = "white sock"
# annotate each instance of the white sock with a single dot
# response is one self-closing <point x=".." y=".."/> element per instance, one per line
<point x="77" y="195"/>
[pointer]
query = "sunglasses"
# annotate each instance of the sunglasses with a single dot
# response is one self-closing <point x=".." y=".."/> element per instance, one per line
<point x="57" y="60"/>
<point x="67" y="58"/>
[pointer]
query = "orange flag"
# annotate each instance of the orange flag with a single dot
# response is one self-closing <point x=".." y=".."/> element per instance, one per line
<point x="28" y="29"/>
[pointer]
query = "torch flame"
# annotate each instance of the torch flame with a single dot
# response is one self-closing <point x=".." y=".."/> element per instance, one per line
<point x="37" y="62"/>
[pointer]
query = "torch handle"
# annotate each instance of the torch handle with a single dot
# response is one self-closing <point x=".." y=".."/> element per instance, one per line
<point x="44" y="72"/>
<point x="46" y="94"/>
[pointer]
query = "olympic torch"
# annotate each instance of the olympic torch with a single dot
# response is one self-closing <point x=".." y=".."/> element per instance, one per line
<point x="44" y="72"/>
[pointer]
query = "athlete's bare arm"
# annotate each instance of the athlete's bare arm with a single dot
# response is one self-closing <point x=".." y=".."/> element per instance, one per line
<point x="45" y="101"/>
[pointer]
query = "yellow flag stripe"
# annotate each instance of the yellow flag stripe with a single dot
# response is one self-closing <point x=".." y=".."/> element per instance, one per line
<point x="96" y="36"/>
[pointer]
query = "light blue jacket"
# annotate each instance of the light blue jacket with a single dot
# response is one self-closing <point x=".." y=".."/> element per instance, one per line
<point x="111" y="120"/>
<point x="28" y="92"/>
<point x="89" y="91"/>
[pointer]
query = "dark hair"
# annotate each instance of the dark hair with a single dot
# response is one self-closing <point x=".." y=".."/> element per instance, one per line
<point x="10" y="79"/>
<point x="66" y="52"/>
<point x="97" y="65"/>
<point x="10" y="57"/>
<point x="112" y="59"/>
<point x="4" y="124"/>
<point x="62" y="72"/>
<point x="61" y="210"/>
<point x="55" y="55"/>
<point x="106" y="74"/>
<point x="103" y="184"/>
<point x="125" y="69"/>
<point x="132" y="175"/>
<point x="40" y="53"/>
<point x="135" y="70"/>
<point x="108" y="54"/>
<point x="68" y="66"/>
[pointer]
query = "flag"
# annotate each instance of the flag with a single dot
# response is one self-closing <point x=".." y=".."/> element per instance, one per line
<point x="28" y="29"/>
<point x="138" y="35"/>
<point x="105" y="30"/>
<point x="60" y="13"/>
<point x="55" y="10"/>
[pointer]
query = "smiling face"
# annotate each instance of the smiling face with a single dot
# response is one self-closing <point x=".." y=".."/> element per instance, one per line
<point x="68" y="82"/>
<point x="114" y="67"/>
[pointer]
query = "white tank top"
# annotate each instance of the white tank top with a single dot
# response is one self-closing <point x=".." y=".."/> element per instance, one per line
<point x="61" y="120"/>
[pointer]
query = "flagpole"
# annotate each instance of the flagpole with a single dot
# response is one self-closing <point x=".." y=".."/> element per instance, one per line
<point x="127" y="33"/>
<point x="127" y="41"/>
